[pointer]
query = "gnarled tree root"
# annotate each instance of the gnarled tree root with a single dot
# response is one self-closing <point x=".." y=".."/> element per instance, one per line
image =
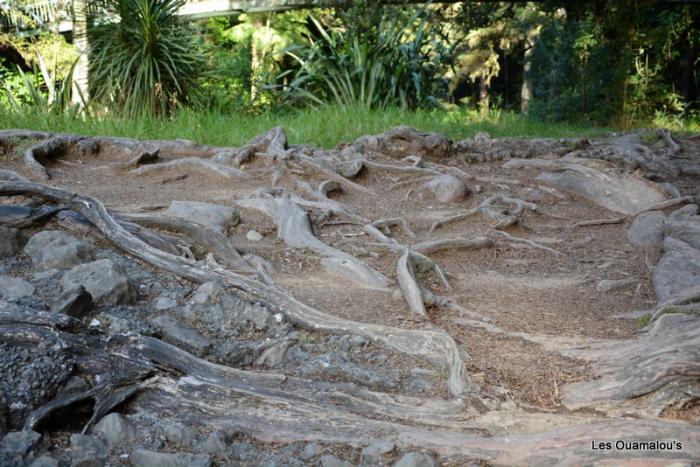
<point x="193" y="163"/>
<point x="431" y="344"/>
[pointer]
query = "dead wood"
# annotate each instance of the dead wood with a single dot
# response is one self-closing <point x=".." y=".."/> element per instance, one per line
<point x="592" y="222"/>
<point x="272" y="143"/>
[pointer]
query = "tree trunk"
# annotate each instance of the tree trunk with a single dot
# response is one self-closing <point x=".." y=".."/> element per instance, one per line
<point x="526" y="90"/>
<point x="483" y="94"/>
<point x="79" y="94"/>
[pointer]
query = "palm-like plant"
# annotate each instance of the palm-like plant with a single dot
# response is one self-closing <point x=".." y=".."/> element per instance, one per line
<point x="144" y="60"/>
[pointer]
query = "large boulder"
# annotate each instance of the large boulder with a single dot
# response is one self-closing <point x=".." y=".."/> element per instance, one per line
<point x="447" y="188"/>
<point x="685" y="230"/>
<point x="53" y="249"/>
<point x="214" y="216"/>
<point x="87" y="451"/>
<point x="14" y="288"/>
<point x="647" y="229"/>
<point x="106" y="281"/>
<point x="678" y="269"/>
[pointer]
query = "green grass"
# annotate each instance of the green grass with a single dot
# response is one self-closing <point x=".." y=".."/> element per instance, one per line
<point x="323" y="127"/>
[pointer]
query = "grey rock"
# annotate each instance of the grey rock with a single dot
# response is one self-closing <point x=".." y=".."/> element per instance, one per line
<point x="87" y="451"/>
<point x="416" y="459"/>
<point x="44" y="461"/>
<point x="20" y="442"/>
<point x="607" y="285"/>
<point x="217" y="443"/>
<point x="75" y="384"/>
<point x="208" y="292"/>
<point x="274" y="355"/>
<point x="179" y="434"/>
<point x="76" y="302"/>
<point x="214" y="216"/>
<point x="310" y="450"/>
<point x="257" y="315"/>
<point x="164" y="303"/>
<point x="115" y="429"/>
<point x="45" y="275"/>
<point x="11" y="241"/>
<point x="331" y="461"/>
<point x="686" y="230"/>
<point x="647" y="229"/>
<point x="53" y="249"/>
<point x="179" y="334"/>
<point x="685" y="213"/>
<point x="447" y="188"/>
<point x="678" y="269"/>
<point x="146" y="458"/>
<point x="14" y="288"/>
<point x="254" y="236"/>
<point x="104" y="280"/>
<point x="374" y="452"/>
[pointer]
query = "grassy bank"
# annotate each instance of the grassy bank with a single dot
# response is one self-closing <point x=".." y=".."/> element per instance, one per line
<point x="324" y="127"/>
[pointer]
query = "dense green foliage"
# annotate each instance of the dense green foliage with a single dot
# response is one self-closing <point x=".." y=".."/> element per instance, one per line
<point x="372" y="56"/>
<point x="605" y="62"/>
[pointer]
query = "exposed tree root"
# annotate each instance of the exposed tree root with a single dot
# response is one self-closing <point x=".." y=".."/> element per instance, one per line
<point x="432" y="344"/>
<point x="452" y="243"/>
<point x="493" y="207"/>
<point x="194" y="163"/>
<point x="407" y="282"/>
<point x="215" y="242"/>
<point x="526" y="241"/>
<point x="53" y="148"/>
<point x="11" y="175"/>
<point x="294" y="228"/>
<point x="402" y="141"/>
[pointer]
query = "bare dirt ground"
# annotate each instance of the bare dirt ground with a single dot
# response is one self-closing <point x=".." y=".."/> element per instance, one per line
<point x="516" y="310"/>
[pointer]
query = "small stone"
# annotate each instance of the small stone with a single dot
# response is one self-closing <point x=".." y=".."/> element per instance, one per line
<point x="254" y="236"/>
<point x="208" y="293"/>
<point x="179" y="434"/>
<point x="331" y="461"/>
<point x="374" y="452"/>
<point x="310" y="450"/>
<point x="115" y="429"/>
<point x="11" y="241"/>
<point x="95" y="323"/>
<point x="611" y="285"/>
<point x="53" y="249"/>
<point x="76" y="302"/>
<point x="20" y="442"/>
<point x="179" y="334"/>
<point x="279" y="317"/>
<point x="447" y="188"/>
<point x="44" y="461"/>
<point x="146" y="458"/>
<point x="214" y="216"/>
<point x="87" y="451"/>
<point x="164" y="303"/>
<point x="106" y="281"/>
<point x="14" y="288"/>
<point x="685" y="213"/>
<point x="416" y="459"/>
